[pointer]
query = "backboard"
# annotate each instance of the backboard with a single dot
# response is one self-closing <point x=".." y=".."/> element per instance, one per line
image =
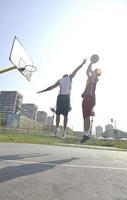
<point x="20" y="59"/>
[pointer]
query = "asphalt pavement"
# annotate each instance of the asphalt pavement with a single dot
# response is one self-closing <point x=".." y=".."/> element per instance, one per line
<point x="45" y="172"/>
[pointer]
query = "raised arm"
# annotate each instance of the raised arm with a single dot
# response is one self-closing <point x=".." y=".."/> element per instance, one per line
<point x="49" y="88"/>
<point x="89" y="70"/>
<point x="77" y="69"/>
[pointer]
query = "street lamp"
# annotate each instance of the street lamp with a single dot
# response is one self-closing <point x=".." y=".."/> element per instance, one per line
<point x="114" y="121"/>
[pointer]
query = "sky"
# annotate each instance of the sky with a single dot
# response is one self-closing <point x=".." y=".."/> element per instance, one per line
<point x="58" y="35"/>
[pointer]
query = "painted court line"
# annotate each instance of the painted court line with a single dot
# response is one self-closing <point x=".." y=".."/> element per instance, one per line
<point x="66" y="165"/>
<point x="120" y="161"/>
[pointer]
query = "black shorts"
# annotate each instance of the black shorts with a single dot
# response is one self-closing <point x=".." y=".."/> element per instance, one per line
<point x="63" y="104"/>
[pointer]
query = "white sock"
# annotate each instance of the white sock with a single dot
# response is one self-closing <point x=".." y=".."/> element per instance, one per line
<point x="56" y="130"/>
<point x="86" y="133"/>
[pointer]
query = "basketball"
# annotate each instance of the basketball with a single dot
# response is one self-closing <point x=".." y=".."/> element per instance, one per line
<point x="98" y="71"/>
<point x="94" y="58"/>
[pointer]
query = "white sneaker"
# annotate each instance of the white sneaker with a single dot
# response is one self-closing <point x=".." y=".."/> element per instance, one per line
<point x="64" y="133"/>
<point x="56" y="132"/>
<point x="86" y="133"/>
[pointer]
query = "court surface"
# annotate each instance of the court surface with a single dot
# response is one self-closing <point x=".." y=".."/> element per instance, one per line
<point x="37" y="172"/>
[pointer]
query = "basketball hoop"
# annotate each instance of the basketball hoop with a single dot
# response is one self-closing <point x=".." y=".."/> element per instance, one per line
<point x="20" y="59"/>
<point x="29" y="68"/>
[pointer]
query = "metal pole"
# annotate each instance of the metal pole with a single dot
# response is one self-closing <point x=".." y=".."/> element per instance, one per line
<point x="114" y="126"/>
<point x="7" y="69"/>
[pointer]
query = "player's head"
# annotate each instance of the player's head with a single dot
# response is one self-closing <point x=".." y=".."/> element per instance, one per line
<point x="65" y="75"/>
<point x="98" y="71"/>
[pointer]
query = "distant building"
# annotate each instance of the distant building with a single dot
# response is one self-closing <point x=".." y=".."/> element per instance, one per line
<point x="49" y="121"/>
<point x="99" y="131"/>
<point x="41" y="117"/>
<point x="108" y="127"/>
<point x="10" y="102"/>
<point x="29" y="110"/>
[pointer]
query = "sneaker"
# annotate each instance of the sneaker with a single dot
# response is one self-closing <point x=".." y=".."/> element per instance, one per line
<point x="64" y="134"/>
<point x="84" y="139"/>
<point x="53" y="110"/>
<point x="56" y="132"/>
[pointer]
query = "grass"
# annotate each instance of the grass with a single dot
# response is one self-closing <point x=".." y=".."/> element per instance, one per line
<point x="116" y="144"/>
<point x="27" y="138"/>
<point x="40" y="139"/>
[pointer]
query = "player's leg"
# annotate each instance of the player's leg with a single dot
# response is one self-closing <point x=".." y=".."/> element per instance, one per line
<point x="87" y="106"/>
<point x="65" y="122"/>
<point x="65" y="126"/>
<point x="86" y="134"/>
<point x="57" y="121"/>
<point x="87" y="124"/>
<point x="66" y="109"/>
<point x="56" y="133"/>
<point x="58" y="112"/>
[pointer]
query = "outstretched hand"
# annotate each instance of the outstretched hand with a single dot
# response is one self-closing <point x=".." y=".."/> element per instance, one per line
<point x="84" y="61"/>
<point x="39" y="92"/>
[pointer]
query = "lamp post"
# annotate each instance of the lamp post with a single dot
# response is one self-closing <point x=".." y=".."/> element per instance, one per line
<point x="115" y="132"/>
<point x="114" y="121"/>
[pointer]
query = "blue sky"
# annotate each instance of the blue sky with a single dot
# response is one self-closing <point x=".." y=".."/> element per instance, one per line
<point x="58" y="35"/>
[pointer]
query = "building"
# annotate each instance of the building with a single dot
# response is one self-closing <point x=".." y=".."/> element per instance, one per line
<point x="29" y="110"/>
<point x="10" y="102"/>
<point x="49" y="121"/>
<point x="99" y="131"/>
<point x="108" y="127"/>
<point x="41" y="117"/>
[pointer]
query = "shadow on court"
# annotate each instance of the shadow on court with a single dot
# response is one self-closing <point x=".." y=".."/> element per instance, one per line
<point x="22" y="156"/>
<point x="13" y="172"/>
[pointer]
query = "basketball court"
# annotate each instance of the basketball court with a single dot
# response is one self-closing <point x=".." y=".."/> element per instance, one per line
<point x="45" y="172"/>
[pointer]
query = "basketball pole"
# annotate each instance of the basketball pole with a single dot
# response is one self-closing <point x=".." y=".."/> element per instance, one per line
<point x="7" y="69"/>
